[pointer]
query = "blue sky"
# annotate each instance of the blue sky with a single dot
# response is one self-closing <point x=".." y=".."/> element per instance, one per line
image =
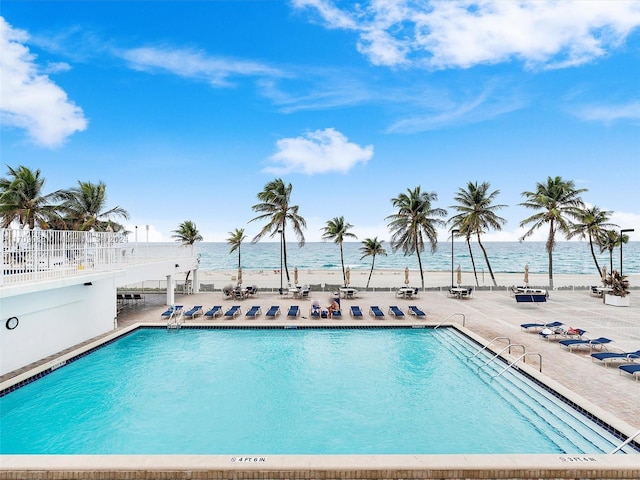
<point x="187" y="109"/>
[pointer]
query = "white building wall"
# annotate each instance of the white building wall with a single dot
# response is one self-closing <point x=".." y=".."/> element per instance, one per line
<point x="54" y="319"/>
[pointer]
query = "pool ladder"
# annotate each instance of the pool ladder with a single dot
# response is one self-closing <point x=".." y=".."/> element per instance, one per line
<point x="452" y="315"/>
<point x="175" y="320"/>
<point x="523" y="356"/>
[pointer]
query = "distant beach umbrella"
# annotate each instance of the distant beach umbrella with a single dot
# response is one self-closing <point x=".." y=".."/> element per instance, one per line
<point x="459" y="275"/>
<point x="406" y="275"/>
<point x="295" y="276"/>
<point x="526" y="274"/>
<point x="240" y="276"/>
<point x="604" y="274"/>
<point x="347" y="276"/>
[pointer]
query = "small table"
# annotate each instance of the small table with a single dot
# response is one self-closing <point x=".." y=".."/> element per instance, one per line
<point x="406" y="292"/>
<point x="347" y="292"/>
<point x="458" y="292"/>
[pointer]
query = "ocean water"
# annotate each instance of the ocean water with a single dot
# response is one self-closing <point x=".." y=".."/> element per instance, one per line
<point x="505" y="257"/>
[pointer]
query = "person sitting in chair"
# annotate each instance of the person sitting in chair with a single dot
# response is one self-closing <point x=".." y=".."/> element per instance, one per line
<point x="333" y="307"/>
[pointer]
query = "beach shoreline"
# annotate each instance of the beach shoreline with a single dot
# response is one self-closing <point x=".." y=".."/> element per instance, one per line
<point x="390" y="279"/>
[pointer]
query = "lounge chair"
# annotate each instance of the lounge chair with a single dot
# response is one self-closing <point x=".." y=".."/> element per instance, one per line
<point x="396" y="312"/>
<point x="415" y="311"/>
<point x="337" y="314"/>
<point x="530" y="297"/>
<point x="559" y="332"/>
<point x="375" y="311"/>
<point x="193" y="312"/>
<point x="233" y="312"/>
<point x="171" y="310"/>
<point x="273" y="312"/>
<point x="128" y="297"/>
<point x="294" y="311"/>
<point x="596" y="342"/>
<point x="120" y="297"/>
<point x="534" y="327"/>
<point x="356" y="312"/>
<point x="214" y="312"/>
<point x="253" y="312"/>
<point x="315" y="312"/>
<point x="610" y="357"/>
<point x="631" y="369"/>
<point x="137" y="297"/>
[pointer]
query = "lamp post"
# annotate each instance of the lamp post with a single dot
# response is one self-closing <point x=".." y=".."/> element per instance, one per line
<point x="626" y="230"/>
<point x="280" y="232"/>
<point x="453" y="232"/>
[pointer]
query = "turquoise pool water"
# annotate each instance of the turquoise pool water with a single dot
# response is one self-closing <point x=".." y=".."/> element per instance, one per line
<point x="304" y="391"/>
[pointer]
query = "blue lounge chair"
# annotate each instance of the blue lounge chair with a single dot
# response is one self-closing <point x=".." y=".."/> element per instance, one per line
<point x="540" y="326"/>
<point x="233" y="312"/>
<point x="253" y="312"/>
<point x="571" y="333"/>
<point x="396" y="312"/>
<point x="610" y="357"/>
<point x="193" y="312"/>
<point x="294" y="311"/>
<point x="413" y="310"/>
<point x="337" y="314"/>
<point x="356" y="312"/>
<point x="171" y="310"/>
<point x="215" y="311"/>
<point x="273" y="312"/>
<point x="631" y="369"/>
<point x="530" y="297"/>
<point x="315" y="312"/>
<point x="376" y="312"/>
<point x="596" y="342"/>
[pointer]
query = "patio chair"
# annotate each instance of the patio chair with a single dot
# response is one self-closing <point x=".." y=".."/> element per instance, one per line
<point x="561" y="333"/>
<point x="233" y="312"/>
<point x="534" y="327"/>
<point x="396" y="312"/>
<point x="586" y="343"/>
<point x="610" y="357"/>
<point x="193" y="312"/>
<point x="375" y="311"/>
<point x="213" y="312"/>
<point x="356" y="312"/>
<point x="253" y="312"/>
<point x="171" y="310"/>
<point x="631" y="369"/>
<point x="293" y="312"/>
<point x="273" y="312"/>
<point x="415" y="311"/>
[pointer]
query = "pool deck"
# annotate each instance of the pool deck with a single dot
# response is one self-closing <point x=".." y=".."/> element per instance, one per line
<point x="613" y="397"/>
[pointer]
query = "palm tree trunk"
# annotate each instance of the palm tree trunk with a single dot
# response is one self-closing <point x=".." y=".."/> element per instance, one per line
<point x="486" y="259"/>
<point x="371" y="272"/>
<point x="473" y="261"/>
<point x="284" y="252"/>
<point x="344" y="275"/>
<point x="593" y="254"/>
<point x="420" y="265"/>
<point x="550" y="252"/>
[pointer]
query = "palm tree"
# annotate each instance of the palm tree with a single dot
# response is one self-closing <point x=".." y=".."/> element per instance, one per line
<point x="592" y="223"/>
<point x="85" y="208"/>
<point x="477" y="215"/>
<point x="187" y="233"/>
<point x="276" y="209"/>
<point x="235" y="240"/>
<point x="337" y="230"/>
<point x="610" y="240"/>
<point x="22" y="199"/>
<point x="370" y="248"/>
<point x="414" y="222"/>
<point x="557" y="201"/>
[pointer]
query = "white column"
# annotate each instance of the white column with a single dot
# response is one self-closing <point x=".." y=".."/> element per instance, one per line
<point x="170" y="290"/>
<point x="196" y="281"/>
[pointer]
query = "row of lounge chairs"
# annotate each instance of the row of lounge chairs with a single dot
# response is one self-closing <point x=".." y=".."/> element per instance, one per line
<point x="571" y="339"/>
<point x="293" y="312"/>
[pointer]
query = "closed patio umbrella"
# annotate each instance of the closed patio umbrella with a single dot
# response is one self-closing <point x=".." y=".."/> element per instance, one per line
<point x="406" y="275"/>
<point x="604" y="274"/>
<point x="240" y="276"/>
<point x="459" y="275"/>
<point x="295" y="276"/>
<point x="526" y="275"/>
<point x="347" y="277"/>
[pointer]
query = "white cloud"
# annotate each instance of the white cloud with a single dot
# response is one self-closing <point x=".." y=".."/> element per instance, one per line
<point x="610" y="113"/>
<point x="321" y="151"/>
<point x="193" y="64"/>
<point x="29" y="99"/>
<point x="461" y="34"/>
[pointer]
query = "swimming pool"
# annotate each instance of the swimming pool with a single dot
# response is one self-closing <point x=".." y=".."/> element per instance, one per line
<point x="291" y="391"/>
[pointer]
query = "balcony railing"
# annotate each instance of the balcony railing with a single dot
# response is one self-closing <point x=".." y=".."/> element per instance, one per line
<point x="35" y="255"/>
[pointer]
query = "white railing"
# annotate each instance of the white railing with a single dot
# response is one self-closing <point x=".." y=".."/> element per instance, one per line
<point x="34" y="255"/>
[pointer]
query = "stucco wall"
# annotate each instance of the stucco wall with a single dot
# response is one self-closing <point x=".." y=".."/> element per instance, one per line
<point x="54" y="319"/>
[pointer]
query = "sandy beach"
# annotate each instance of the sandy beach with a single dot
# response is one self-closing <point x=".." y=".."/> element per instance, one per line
<point x="392" y="279"/>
